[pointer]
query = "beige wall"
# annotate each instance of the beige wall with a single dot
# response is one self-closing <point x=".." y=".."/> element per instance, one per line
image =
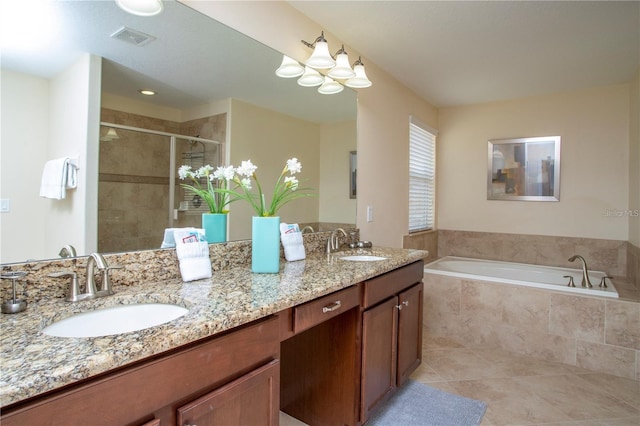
<point x="594" y="126"/>
<point x="634" y="161"/>
<point x="22" y="148"/>
<point x="383" y="112"/>
<point x="62" y="116"/>
<point x="269" y="139"/>
<point x="336" y="141"/>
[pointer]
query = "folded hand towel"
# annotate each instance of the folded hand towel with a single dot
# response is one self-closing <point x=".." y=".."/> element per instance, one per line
<point x="57" y="176"/>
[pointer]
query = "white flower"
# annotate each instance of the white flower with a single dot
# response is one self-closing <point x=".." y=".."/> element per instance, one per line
<point x="291" y="182"/>
<point x="294" y="166"/>
<point x="184" y="172"/>
<point x="246" y="183"/>
<point x="224" y="173"/>
<point x="204" y="171"/>
<point x="246" y="168"/>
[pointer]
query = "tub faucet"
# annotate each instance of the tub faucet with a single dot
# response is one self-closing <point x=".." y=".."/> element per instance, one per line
<point x="585" y="275"/>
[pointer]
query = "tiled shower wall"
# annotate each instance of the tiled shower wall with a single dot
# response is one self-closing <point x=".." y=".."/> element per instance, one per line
<point x="134" y="180"/>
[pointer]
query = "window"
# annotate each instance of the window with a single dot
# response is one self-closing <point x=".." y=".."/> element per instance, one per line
<point x="422" y="176"/>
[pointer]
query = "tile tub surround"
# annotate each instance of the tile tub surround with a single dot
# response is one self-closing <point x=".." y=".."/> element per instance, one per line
<point x="594" y="333"/>
<point x="609" y="256"/>
<point x="33" y="363"/>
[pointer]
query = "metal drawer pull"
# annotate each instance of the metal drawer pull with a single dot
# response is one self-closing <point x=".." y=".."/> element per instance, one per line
<point x="332" y="307"/>
<point x="405" y="303"/>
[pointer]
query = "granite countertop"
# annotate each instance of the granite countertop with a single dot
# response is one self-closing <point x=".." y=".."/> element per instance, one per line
<point x="33" y="363"/>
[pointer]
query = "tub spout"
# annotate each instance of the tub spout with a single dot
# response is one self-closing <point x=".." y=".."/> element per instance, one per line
<point x="585" y="275"/>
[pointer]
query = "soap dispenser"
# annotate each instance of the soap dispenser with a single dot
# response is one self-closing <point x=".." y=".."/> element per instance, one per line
<point x="14" y="305"/>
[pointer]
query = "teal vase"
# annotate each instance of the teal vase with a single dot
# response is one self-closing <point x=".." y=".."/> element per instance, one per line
<point x="215" y="227"/>
<point x="265" y="245"/>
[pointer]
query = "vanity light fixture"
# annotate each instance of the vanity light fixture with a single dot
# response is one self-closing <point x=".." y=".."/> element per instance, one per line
<point x="289" y="68"/>
<point x="342" y="70"/>
<point x="141" y="7"/>
<point x="320" y="58"/>
<point x="336" y="71"/>
<point x="146" y="92"/>
<point x="310" y="78"/>
<point x="330" y="86"/>
<point x="360" y="80"/>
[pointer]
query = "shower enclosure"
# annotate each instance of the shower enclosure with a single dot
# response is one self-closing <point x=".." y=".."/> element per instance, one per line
<point x="139" y="192"/>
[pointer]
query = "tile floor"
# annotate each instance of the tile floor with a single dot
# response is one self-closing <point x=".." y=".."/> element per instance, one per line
<point x="521" y="390"/>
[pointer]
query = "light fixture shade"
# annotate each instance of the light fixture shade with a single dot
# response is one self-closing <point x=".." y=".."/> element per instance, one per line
<point x="342" y="70"/>
<point x="141" y="7"/>
<point x="360" y="81"/>
<point x="330" y="87"/>
<point x="310" y="78"/>
<point x="289" y="68"/>
<point x="320" y="58"/>
<point x="110" y="135"/>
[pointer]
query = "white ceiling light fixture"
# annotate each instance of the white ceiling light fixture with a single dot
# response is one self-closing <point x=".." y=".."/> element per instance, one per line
<point x="141" y="7"/>
<point x="147" y="92"/>
<point x="320" y="58"/>
<point x="289" y="68"/>
<point x="336" y="71"/>
<point x="310" y="78"/>
<point x="330" y="86"/>
<point x="360" y="80"/>
<point x="342" y="70"/>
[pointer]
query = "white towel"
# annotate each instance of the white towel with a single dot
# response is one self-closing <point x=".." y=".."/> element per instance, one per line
<point x="58" y="176"/>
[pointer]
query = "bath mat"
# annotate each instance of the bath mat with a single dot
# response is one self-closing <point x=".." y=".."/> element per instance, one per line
<point x="416" y="404"/>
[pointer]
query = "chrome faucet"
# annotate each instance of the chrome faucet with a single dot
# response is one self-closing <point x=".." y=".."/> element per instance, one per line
<point x="308" y="228"/>
<point x="96" y="260"/>
<point x="333" y="244"/>
<point x="585" y="275"/>
<point x="68" y="251"/>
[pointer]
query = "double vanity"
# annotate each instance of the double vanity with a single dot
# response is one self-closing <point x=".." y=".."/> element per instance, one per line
<point x="326" y="340"/>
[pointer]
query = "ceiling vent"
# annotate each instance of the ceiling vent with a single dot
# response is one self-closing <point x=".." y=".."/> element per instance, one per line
<point x="132" y="36"/>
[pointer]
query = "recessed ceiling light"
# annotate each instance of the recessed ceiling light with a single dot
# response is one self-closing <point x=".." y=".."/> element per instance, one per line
<point x="141" y="7"/>
<point x="147" y="92"/>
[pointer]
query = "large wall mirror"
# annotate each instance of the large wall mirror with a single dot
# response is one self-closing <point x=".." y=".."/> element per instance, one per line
<point x="212" y="83"/>
<point x="526" y="169"/>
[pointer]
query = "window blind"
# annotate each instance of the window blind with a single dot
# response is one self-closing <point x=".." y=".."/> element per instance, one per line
<point x="422" y="174"/>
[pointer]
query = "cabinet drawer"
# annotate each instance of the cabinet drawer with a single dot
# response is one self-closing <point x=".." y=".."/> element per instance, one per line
<point x="309" y="314"/>
<point x="379" y="288"/>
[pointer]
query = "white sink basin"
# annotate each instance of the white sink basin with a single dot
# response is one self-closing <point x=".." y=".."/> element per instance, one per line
<point x="115" y="320"/>
<point x="363" y="258"/>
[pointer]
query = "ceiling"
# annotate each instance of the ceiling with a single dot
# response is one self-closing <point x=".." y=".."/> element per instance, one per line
<point x="464" y="52"/>
<point x="192" y="61"/>
<point x="448" y="52"/>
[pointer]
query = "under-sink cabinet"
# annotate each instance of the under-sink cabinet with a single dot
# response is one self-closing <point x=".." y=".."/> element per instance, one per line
<point x="391" y="334"/>
<point x="217" y="381"/>
<point x="330" y="361"/>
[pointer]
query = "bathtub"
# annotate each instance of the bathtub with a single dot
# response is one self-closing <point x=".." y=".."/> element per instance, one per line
<point x="546" y="277"/>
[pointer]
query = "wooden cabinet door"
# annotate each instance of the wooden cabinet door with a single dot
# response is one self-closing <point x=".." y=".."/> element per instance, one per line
<point x="409" y="332"/>
<point x="378" y="355"/>
<point x="253" y="399"/>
